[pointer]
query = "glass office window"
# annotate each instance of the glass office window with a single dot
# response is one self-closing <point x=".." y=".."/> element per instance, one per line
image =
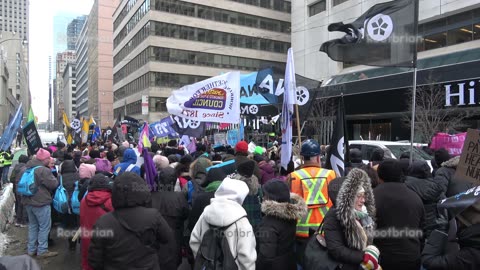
<point x="317" y="7"/>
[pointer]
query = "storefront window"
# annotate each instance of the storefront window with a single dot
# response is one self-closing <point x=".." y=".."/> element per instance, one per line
<point x="377" y="130"/>
<point x="435" y="41"/>
<point x="459" y="35"/>
<point x="476" y="31"/>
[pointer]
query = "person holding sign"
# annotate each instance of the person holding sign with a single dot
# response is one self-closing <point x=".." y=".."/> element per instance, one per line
<point x="466" y="209"/>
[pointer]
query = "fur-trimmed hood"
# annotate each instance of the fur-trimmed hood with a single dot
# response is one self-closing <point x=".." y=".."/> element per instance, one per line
<point x="452" y="163"/>
<point x="345" y="206"/>
<point x="295" y="209"/>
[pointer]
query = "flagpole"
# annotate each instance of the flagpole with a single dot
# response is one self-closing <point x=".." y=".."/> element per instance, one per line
<point x="414" y="90"/>
<point x="299" y="131"/>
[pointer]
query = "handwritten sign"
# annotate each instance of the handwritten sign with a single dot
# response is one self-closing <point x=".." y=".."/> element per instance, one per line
<point x="469" y="166"/>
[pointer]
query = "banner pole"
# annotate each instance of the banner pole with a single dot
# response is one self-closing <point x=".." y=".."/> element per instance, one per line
<point x="414" y="90"/>
<point x="299" y="131"/>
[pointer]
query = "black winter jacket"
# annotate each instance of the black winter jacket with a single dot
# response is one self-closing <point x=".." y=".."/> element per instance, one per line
<point x="276" y="234"/>
<point x="69" y="175"/>
<point x="430" y="194"/>
<point x="399" y="208"/>
<point x="467" y="258"/>
<point x="444" y="177"/>
<point x="174" y="209"/>
<point x="337" y="242"/>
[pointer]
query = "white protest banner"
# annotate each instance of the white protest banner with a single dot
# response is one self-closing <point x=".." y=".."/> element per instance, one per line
<point x="216" y="99"/>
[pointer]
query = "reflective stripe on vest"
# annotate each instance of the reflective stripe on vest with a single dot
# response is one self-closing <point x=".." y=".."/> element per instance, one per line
<point x="315" y="197"/>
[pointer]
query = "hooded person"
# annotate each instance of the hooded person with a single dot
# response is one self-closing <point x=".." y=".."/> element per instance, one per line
<point x="276" y="232"/>
<point x="348" y="226"/>
<point x="96" y="203"/>
<point x="85" y="172"/>
<point x="398" y="209"/>
<point x="174" y="208"/>
<point x="435" y="256"/>
<point x="38" y="206"/>
<point x="420" y="180"/>
<point x="18" y="170"/>
<point x="267" y="171"/>
<point x="128" y="163"/>
<point x="378" y="155"/>
<point x="241" y="155"/>
<point x="225" y="210"/>
<point x="356" y="161"/>
<point x="252" y="203"/>
<point x="445" y="178"/>
<point x="137" y="230"/>
<point x="69" y="175"/>
<point x="198" y="172"/>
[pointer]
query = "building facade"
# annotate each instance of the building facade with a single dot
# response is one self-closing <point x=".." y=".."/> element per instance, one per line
<point x="82" y="72"/>
<point x="99" y="61"/>
<point x="73" y="31"/>
<point x="69" y="81"/>
<point x="377" y="99"/>
<point x="14" y="16"/>
<point x="62" y="60"/>
<point x="162" y="45"/>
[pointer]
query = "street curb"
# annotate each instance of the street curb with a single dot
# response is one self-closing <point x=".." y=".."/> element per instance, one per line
<point x="6" y="206"/>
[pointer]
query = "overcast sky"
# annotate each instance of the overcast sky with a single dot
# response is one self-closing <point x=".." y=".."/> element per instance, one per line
<point x="41" y="45"/>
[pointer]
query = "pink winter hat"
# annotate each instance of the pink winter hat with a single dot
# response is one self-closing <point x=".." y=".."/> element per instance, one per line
<point x="42" y="154"/>
<point x="126" y="144"/>
<point x="86" y="170"/>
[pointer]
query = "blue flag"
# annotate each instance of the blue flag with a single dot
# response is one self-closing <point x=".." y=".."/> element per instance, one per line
<point x="11" y="130"/>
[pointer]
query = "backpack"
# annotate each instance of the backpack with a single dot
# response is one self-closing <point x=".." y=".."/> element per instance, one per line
<point x="214" y="252"/>
<point x="74" y="201"/>
<point x="60" y="199"/>
<point x="26" y="186"/>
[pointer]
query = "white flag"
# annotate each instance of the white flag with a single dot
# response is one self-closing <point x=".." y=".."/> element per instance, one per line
<point x="216" y="99"/>
<point x="287" y="111"/>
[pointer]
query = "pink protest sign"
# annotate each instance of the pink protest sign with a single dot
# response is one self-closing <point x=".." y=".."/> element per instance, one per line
<point x="453" y="143"/>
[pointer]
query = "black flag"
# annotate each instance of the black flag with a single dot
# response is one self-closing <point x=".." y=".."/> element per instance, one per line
<point x="385" y="35"/>
<point x="188" y="127"/>
<point x="338" y="151"/>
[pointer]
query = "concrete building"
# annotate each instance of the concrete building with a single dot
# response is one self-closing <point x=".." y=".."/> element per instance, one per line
<point x="73" y="31"/>
<point x="99" y="61"/>
<point x="62" y="60"/>
<point x="69" y="79"/>
<point x="14" y="16"/>
<point x="162" y="45"/>
<point x="377" y="99"/>
<point x="61" y="21"/>
<point x="14" y="82"/>
<point x="82" y="72"/>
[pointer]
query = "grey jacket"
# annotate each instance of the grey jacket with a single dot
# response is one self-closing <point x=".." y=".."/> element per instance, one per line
<point x="45" y="182"/>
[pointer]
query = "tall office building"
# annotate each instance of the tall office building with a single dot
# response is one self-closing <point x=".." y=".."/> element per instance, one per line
<point x="95" y="63"/>
<point x="376" y="99"/>
<point x="161" y="45"/>
<point x="70" y="90"/>
<point x="14" y="17"/>
<point x="73" y="31"/>
<point x="82" y="72"/>
<point x="62" y="60"/>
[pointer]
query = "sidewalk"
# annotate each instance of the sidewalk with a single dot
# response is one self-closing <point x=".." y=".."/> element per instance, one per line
<point x="7" y="202"/>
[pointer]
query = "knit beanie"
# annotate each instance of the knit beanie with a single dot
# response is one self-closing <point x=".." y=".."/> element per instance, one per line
<point x="258" y="150"/>
<point x="99" y="182"/>
<point x="390" y="171"/>
<point x="246" y="168"/>
<point x="276" y="190"/>
<point x="441" y="155"/>
<point x="42" y="154"/>
<point x="213" y="186"/>
<point x="23" y="159"/>
<point x="86" y="170"/>
<point x="241" y="147"/>
<point x="377" y="155"/>
<point x="258" y="158"/>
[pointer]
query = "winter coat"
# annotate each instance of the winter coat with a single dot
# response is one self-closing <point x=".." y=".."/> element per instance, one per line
<point x="467" y="258"/>
<point x="252" y="203"/>
<point x="136" y="230"/>
<point x="46" y="183"/>
<point x="201" y="201"/>
<point x="266" y="171"/>
<point x="430" y="193"/>
<point x="17" y="173"/>
<point x="345" y="239"/>
<point x="96" y="204"/>
<point x="399" y="208"/>
<point x="69" y="174"/>
<point x="174" y="209"/>
<point x="129" y="158"/>
<point x="449" y="185"/>
<point x="103" y="165"/>
<point x="276" y="233"/>
<point x="222" y="212"/>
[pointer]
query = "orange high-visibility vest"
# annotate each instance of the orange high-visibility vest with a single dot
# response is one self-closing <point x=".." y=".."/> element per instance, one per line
<point x="311" y="183"/>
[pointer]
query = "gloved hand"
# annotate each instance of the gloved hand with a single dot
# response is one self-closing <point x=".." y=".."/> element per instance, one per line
<point x="370" y="258"/>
